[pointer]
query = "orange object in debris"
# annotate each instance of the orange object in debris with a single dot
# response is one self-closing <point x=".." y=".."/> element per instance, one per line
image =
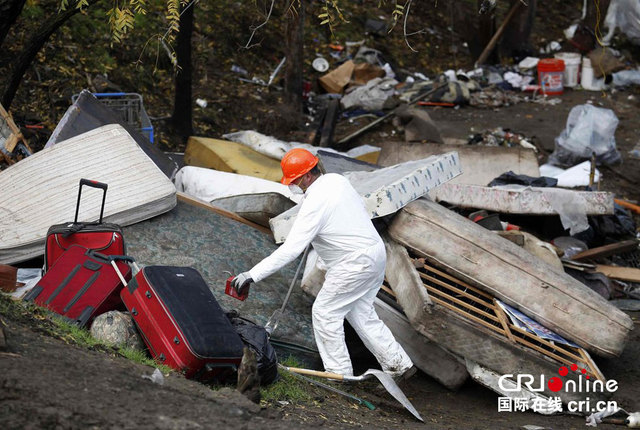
<point x="628" y="205"/>
<point x="336" y="47"/>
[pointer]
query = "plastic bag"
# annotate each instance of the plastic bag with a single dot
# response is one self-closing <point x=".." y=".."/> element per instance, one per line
<point x="255" y="338"/>
<point x="589" y="129"/>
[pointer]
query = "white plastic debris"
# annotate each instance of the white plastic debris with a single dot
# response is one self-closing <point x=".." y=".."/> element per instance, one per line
<point x="528" y="63"/>
<point x="633" y="420"/>
<point x="596" y="418"/>
<point x="156" y="377"/>
<point x="201" y="102"/>
<point x="576" y="176"/>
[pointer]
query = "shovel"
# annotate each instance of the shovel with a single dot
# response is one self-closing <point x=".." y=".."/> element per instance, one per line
<point x="272" y="322"/>
<point x="385" y="379"/>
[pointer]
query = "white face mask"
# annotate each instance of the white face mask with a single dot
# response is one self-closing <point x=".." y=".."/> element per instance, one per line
<point x="295" y="189"/>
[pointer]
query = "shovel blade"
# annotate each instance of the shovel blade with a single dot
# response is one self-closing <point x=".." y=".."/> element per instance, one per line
<point x="392" y="388"/>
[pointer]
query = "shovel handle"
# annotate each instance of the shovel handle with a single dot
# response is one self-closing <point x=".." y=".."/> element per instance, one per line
<point x="317" y="373"/>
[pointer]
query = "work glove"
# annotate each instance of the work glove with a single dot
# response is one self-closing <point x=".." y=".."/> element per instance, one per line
<point x="241" y="283"/>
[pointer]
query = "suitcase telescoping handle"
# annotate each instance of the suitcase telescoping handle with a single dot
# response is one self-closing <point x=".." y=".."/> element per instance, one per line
<point x="130" y="260"/>
<point x="94" y="184"/>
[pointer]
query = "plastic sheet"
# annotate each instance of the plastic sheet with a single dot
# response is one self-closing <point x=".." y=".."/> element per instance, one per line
<point x="589" y="130"/>
<point x="571" y="208"/>
<point x="255" y="338"/>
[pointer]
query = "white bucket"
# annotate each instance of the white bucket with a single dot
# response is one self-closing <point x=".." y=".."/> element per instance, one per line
<point x="587" y="80"/>
<point x="571" y="67"/>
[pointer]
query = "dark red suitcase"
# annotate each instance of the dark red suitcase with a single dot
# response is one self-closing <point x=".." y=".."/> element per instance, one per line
<point x="105" y="238"/>
<point x="81" y="285"/>
<point x="181" y="322"/>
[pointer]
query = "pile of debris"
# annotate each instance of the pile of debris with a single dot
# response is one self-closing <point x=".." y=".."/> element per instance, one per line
<point x="471" y="288"/>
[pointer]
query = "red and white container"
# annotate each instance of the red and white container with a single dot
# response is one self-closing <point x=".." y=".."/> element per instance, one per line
<point x="550" y="75"/>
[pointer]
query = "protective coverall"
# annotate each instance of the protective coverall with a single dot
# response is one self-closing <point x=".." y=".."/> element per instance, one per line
<point x="333" y="218"/>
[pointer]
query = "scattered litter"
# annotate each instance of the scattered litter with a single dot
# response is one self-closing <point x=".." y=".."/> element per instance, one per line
<point x="635" y="152"/>
<point x="596" y="418"/>
<point x="494" y="97"/>
<point x="202" y="103"/>
<point x="576" y="176"/>
<point x="320" y="65"/>
<point x="500" y="137"/>
<point x="371" y="96"/>
<point x="239" y="70"/>
<point x="552" y="46"/>
<point x="633" y="420"/>
<point x="626" y="77"/>
<point x="156" y="377"/>
<point x="528" y="63"/>
<point x="283" y="402"/>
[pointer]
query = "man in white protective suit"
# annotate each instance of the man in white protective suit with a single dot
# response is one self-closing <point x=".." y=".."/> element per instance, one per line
<point x="333" y="218"/>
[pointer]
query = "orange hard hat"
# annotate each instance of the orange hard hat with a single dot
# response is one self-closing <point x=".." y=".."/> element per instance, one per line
<point x="296" y="163"/>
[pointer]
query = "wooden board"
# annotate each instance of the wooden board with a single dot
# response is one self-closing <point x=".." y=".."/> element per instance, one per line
<point x="11" y="134"/>
<point x="607" y="250"/>
<point x="630" y="274"/>
<point x="233" y="157"/>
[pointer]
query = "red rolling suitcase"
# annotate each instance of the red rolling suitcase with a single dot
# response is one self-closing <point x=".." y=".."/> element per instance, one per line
<point x="181" y="322"/>
<point x="105" y="238"/>
<point x="81" y="285"/>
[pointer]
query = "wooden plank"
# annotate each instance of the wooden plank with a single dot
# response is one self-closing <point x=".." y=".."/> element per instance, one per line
<point x="188" y="199"/>
<point x="454" y="288"/>
<point x="607" y="250"/>
<point x="468" y="316"/>
<point x="456" y="300"/>
<point x="630" y="274"/>
<point x="547" y="353"/>
<point x="592" y="365"/>
<point x="458" y="281"/>
<point x="387" y="290"/>
<point x="503" y="320"/>
<point x="462" y="303"/>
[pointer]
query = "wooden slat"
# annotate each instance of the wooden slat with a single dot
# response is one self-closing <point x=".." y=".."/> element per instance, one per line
<point x="467" y="315"/>
<point x="457" y="281"/>
<point x="555" y="352"/>
<point x="503" y="320"/>
<point x="387" y="290"/>
<point x="592" y="365"/>
<point x="538" y="339"/>
<point x="630" y="274"/>
<point x="456" y="289"/>
<point x="461" y="303"/>
<point x="607" y="250"/>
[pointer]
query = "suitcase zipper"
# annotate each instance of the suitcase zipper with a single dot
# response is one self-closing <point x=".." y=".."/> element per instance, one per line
<point x="113" y="239"/>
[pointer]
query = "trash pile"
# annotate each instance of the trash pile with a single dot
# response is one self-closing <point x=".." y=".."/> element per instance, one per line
<point x="496" y="266"/>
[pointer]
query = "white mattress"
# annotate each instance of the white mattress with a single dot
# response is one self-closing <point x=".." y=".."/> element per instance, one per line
<point x="42" y="189"/>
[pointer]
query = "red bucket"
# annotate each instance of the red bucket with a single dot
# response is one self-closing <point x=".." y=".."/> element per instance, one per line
<point x="550" y="74"/>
